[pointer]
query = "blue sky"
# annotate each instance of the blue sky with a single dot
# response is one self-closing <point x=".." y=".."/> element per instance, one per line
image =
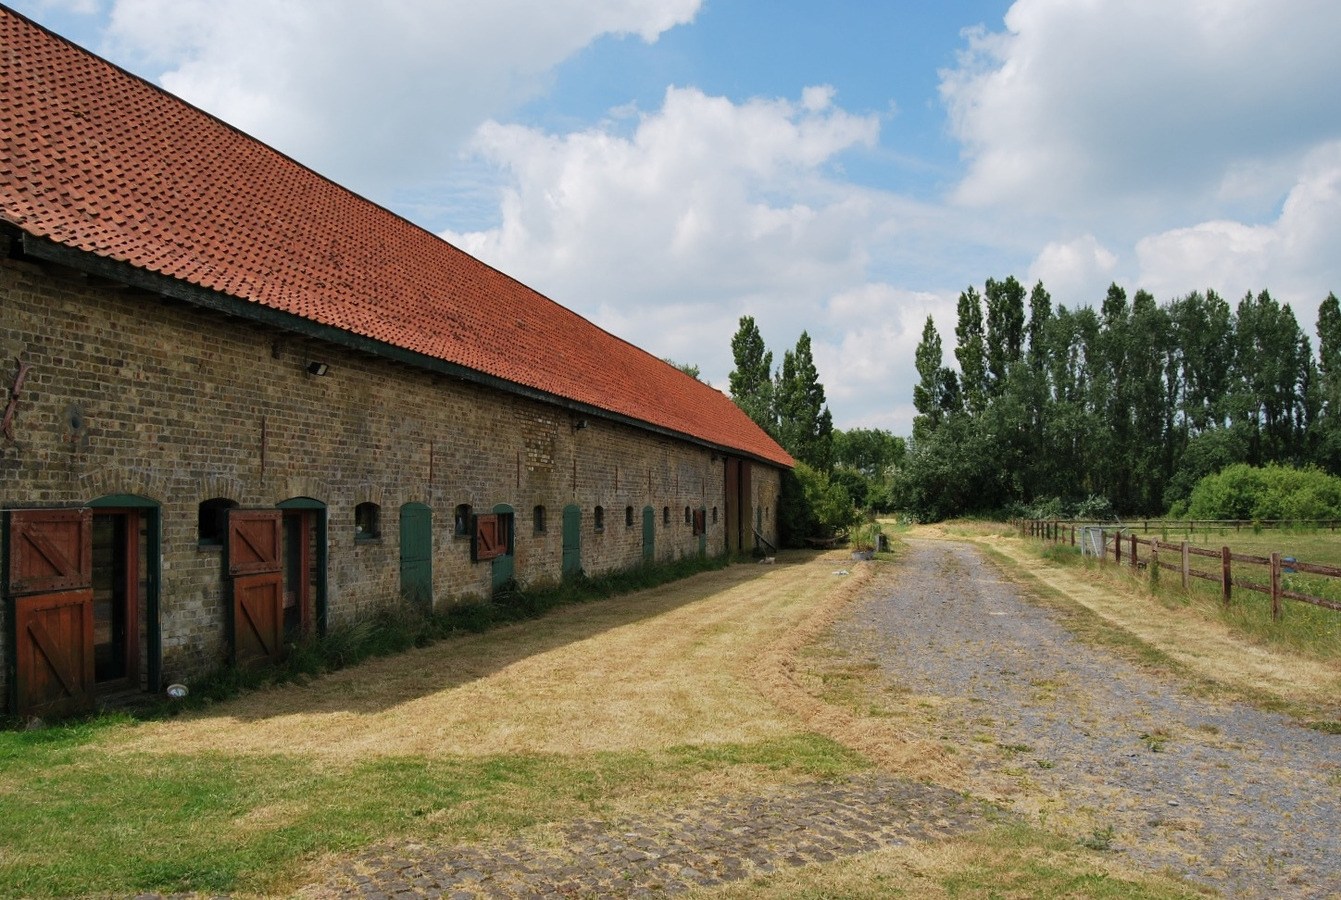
<point x="664" y="167"/>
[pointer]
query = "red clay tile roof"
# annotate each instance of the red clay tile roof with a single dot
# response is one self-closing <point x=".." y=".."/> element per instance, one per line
<point x="99" y="160"/>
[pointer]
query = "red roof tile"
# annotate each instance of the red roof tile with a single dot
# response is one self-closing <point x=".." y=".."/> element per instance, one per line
<point x="99" y="160"/>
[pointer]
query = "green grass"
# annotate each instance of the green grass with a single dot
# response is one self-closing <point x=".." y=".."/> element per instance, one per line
<point x="79" y="819"/>
<point x="1303" y="628"/>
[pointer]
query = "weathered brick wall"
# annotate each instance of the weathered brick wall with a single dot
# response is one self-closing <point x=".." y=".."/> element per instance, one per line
<point x="131" y="394"/>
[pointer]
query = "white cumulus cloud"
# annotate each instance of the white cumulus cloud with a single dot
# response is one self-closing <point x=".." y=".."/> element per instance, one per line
<point x="1075" y="272"/>
<point x="369" y="93"/>
<point x="705" y="211"/>
<point x="1295" y="256"/>
<point x="1083" y="107"/>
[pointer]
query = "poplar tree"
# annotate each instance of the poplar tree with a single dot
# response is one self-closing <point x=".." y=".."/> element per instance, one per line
<point x="805" y="425"/>
<point x="1005" y="328"/>
<point x="929" y="392"/>
<point x="751" y="381"/>
<point x="971" y="352"/>
<point x="1328" y="443"/>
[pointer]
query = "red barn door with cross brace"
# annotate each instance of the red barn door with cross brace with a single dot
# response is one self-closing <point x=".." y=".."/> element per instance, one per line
<point x="256" y="567"/>
<point x="51" y="582"/>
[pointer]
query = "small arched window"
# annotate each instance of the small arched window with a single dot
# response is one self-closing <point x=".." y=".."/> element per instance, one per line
<point x="714" y="515"/>
<point x="538" y="519"/>
<point x="212" y="521"/>
<point x="628" y="517"/>
<point x="665" y="515"/>
<point x="367" y="522"/>
<point x="461" y="521"/>
<point x="688" y="516"/>
<point x="599" y="518"/>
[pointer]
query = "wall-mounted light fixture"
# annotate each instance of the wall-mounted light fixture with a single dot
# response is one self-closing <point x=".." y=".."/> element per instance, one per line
<point x="579" y="424"/>
<point x="317" y="368"/>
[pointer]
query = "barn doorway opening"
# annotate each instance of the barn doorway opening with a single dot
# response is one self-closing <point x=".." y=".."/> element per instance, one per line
<point x="124" y="577"/>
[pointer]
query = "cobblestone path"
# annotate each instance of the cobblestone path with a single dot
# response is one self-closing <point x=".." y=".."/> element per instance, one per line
<point x="1245" y="801"/>
<point x="724" y="840"/>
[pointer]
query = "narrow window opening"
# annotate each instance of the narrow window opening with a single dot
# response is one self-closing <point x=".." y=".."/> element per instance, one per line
<point x="212" y="521"/>
<point x="688" y="516"/>
<point x="599" y="517"/>
<point x="538" y="519"/>
<point x="461" y="521"/>
<point x="367" y="522"/>
<point x="628" y="517"/>
<point x="665" y="515"/>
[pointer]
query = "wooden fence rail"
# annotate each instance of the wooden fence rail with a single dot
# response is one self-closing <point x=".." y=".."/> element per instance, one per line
<point x="1193" y="525"/>
<point x="1160" y="555"/>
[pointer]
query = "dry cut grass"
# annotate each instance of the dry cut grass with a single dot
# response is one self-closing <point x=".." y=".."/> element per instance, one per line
<point x="671" y="666"/>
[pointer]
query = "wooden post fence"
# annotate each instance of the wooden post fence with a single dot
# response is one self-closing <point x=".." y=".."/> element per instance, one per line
<point x="1275" y="586"/>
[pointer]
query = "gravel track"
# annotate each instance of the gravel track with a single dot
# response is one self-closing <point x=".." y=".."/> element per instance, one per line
<point x="1085" y="743"/>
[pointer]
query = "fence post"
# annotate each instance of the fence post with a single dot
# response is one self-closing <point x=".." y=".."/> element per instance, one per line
<point x="1187" y="568"/>
<point x="1275" y="586"/>
<point x="1117" y="547"/>
<point x="1154" y="560"/>
<point x="1133" y="550"/>
<point x="1226" y="582"/>
<point x="1073" y="535"/>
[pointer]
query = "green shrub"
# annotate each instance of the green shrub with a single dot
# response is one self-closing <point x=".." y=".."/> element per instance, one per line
<point x="812" y="505"/>
<point x="1272" y="492"/>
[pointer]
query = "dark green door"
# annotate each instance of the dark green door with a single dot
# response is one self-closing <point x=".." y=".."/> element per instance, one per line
<point x="504" y="566"/>
<point x="649" y="533"/>
<point x="416" y="554"/>
<point x="572" y="540"/>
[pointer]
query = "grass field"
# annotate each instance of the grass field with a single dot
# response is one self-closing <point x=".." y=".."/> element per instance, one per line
<point x="645" y="701"/>
<point x="1303" y="628"/>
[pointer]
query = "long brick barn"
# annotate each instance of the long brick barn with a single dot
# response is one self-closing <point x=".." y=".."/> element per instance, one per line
<point x="243" y="403"/>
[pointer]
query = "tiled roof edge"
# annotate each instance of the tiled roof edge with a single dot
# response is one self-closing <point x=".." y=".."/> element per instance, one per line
<point x="43" y="248"/>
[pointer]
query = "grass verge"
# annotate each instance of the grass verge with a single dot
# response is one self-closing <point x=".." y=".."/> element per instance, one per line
<point x="395" y="629"/>
<point x="1007" y="861"/>
<point x="78" y="822"/>
<point x="1234" y="653"/>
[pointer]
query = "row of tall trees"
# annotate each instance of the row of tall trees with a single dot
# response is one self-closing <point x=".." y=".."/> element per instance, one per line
<point x="837" y="472"/>
<point x="1124" y="406"/>
<point x="790" y="403"/>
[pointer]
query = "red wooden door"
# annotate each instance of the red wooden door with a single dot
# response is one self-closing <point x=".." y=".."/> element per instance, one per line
<point x="50" y="579"/>
<point x="255" y="564"/>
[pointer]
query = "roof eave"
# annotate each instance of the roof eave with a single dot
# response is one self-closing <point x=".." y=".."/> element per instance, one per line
<point x="126" y="273"/>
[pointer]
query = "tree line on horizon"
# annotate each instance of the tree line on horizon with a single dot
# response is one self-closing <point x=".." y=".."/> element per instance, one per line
<point x="1119" y="409"/>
